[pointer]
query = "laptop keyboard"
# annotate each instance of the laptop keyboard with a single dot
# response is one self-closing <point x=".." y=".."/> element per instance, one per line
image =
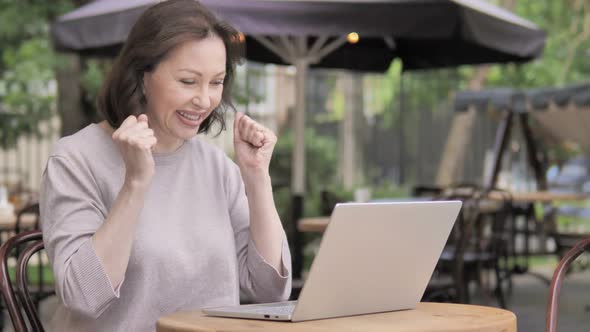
<point x="280" y="308"/>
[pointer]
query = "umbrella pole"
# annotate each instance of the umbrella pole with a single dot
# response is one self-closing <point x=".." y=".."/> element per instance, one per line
<point x="298" y="176"/>
<point x="501" y="141"/>
<point x="296" y="52"/>
<point x="401" y="143"/>
<point x="532" y="152"/>
<point x="298" y="171"/>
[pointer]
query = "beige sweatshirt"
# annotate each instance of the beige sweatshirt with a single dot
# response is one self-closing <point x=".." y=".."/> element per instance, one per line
<point x="192" y="246"/>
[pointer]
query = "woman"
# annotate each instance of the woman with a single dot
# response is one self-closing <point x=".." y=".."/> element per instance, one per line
<point x="141" y="218"/>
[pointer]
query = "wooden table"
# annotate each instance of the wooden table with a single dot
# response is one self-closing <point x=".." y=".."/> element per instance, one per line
<point x="319" y="224"/>
<point x="428" y="317"/>
<point x="9" y="222"/>
<point x="541" y="197"/>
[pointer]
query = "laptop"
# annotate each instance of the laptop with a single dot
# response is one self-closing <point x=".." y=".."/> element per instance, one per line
<point x="374" y="257"/>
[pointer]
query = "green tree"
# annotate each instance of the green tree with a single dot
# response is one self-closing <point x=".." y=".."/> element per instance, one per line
<point x="27" y="59"/>
<point x="565" y="58"/>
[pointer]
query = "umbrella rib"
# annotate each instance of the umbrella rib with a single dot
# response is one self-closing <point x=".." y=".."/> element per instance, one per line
<point x="317" y="45"/>
<point x="390" y="42"/>
<point x="289" y="46"/>
<point x="276" y="40"/>
<point x="273" y="48"/>
<point x="329" y="48"/>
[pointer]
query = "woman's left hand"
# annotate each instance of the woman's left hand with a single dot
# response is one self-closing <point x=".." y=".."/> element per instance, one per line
<point x="253" y="144"/>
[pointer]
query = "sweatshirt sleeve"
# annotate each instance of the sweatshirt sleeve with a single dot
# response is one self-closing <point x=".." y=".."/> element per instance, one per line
<point x="258" y="279"/>
<point x="71" y="212"/>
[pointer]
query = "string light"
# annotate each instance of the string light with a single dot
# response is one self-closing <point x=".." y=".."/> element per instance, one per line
<point x="353" y="37"/>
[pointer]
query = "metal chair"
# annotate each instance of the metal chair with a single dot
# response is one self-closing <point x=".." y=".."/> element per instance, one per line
<point x="16" y="304"/>
<point x="556" y="281"/>
<point x="478" y="243"/>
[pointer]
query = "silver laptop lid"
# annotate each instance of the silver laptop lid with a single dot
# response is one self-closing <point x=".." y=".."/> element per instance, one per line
<point x="375" y="257"/>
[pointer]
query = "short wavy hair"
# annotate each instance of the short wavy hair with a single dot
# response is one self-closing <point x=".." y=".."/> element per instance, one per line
<point x="159" y="30"/>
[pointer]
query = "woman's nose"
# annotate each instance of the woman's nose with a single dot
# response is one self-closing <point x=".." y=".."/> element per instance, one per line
<point x="201" y="100"/>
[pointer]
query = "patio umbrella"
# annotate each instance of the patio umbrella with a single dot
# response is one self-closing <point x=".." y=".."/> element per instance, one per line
<point x="315" y="33"/>
<point x="423" y="33"/>
<point x="560" y="114"/>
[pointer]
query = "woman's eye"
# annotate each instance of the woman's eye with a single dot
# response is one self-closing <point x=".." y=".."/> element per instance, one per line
<point x="187" y="81"/>
<point x="217" y="82"/>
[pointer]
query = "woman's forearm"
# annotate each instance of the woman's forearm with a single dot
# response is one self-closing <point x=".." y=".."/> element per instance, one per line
<point x="265" y="225"/>
<point x="112" y="242"/>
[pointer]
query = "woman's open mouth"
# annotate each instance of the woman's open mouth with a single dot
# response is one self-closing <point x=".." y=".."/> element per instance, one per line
<point x="190" y="119"/>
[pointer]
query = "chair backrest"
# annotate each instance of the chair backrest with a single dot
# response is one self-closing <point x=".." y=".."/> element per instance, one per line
<point x="460" y="234"/>
<point x="27" y="218"/>
<point x="478" y="233"/>
<point x="33" y="242"/>
<point x="556" y="281"/>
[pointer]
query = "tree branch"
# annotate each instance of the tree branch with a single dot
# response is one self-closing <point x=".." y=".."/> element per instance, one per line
<point x="577" y="40"/>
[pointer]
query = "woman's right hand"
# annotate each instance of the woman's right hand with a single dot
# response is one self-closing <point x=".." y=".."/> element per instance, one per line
<point x="136" y="140"/>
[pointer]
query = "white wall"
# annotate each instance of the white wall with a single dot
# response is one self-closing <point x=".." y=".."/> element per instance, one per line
<point x="25" y="163"/>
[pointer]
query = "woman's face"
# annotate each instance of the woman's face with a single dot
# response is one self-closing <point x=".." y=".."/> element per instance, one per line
<point x="184" y="89"/>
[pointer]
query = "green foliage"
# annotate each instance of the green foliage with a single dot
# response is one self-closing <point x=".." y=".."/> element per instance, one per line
<point x="249" y="84"/>
<point x="565" y="58"/>
<point x="27" y="84"/>
<point x="27" y="88"/>
<point x="33" y="275"/>
<point x="385" y="93"/>
<point x="338" y="99"/>
<point x="92" y="78"/>
<point x="388" y="190"/>
<point x="321" y="165"/>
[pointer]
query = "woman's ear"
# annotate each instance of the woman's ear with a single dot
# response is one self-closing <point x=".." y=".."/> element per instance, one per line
<point x="143" y="84"/>
<point x="144" y="81"/>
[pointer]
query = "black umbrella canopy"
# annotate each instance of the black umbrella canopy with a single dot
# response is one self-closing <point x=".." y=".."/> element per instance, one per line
<point x="422" y="33"/>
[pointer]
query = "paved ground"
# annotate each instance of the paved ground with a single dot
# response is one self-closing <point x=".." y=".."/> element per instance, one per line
<point x="528" y="301"/>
